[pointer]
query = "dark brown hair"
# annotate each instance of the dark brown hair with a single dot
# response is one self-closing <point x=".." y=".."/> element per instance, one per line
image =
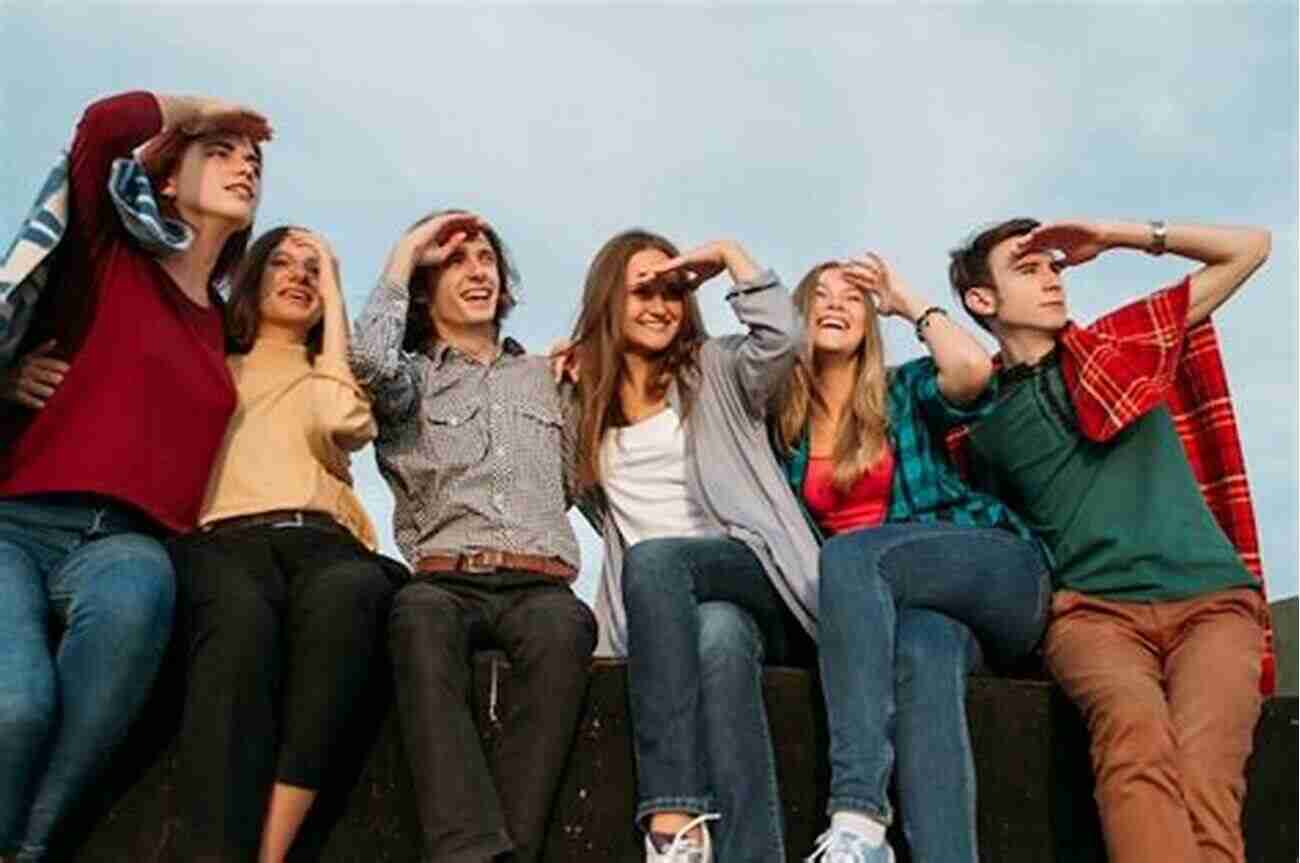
<point x="160" y="160"/>
<point x="419" y="333"/>
<point x="599" y="345"/>
<point x="969" y="265"/>
<point x="244" y="308"/>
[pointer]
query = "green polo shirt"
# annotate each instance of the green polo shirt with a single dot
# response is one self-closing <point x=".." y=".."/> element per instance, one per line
<point x="1123" y="519"/>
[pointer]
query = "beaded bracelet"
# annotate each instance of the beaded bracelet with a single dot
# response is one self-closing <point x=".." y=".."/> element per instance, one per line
<point x="923" y="321"/>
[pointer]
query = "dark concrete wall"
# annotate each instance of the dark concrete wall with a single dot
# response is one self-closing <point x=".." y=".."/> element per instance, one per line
<point x="1030" y="747"/>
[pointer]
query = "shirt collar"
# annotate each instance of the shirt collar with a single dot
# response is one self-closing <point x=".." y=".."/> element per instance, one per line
<point x="440" y="351"/>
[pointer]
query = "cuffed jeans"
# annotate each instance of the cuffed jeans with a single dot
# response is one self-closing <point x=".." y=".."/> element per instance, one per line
<point x="986" y="578"/>
<point x="702" y="618"/>
<point x="1170" y="692"/>
<point x="286" y="630"/>
<point x="86" y="562"/>
<point x="471" y="810"/>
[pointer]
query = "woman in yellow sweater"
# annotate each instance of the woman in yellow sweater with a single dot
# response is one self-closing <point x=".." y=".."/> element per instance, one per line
<point x="286" y="597"/>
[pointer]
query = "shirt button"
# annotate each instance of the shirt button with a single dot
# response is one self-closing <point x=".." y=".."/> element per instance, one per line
<point x="498" y="501"/>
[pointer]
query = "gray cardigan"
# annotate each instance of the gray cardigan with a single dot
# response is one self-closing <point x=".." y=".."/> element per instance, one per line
<point x="730" y="467"/>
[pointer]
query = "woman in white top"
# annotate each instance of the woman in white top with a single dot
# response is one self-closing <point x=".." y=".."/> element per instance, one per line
<point x="672" y="463"/>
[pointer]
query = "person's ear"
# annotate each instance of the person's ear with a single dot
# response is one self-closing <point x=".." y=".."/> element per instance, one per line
<point x="981" y="300"/>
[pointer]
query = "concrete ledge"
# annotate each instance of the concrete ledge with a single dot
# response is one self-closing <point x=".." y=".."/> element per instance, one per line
<point x="1030" y="746"/>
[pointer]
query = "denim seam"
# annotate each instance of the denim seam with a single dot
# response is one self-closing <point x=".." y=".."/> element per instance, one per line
<point x="883" y="814"/>
<point x="691" y="805"/>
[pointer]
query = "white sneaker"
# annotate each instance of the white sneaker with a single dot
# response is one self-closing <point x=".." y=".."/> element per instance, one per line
<point x="842" y="845"/>
<point x="683" y="849"/>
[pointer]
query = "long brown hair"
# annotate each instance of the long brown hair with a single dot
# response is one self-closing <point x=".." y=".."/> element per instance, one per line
<point x="860" y="440"/>
<point x="419" y="333"/>
<point x="160" y="159"/>
<point x="599" y="346"/>
<point x="244" y="308"/>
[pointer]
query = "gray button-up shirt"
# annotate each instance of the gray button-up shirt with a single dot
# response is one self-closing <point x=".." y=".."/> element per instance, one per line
<point x="474" y="452"/>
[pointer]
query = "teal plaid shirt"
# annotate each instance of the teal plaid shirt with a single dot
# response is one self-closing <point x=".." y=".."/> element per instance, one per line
<point x="926" y="485"/>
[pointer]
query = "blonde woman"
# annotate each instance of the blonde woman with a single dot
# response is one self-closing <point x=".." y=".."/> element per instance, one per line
<point x="913" y="562"/>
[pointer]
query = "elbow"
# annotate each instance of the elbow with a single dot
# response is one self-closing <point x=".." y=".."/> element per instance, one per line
<point x="1261" y="245"/>
<point x="967" y="382"/>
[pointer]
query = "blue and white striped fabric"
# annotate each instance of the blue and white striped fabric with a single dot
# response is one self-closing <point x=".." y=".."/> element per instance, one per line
<point x="25" y="267"/>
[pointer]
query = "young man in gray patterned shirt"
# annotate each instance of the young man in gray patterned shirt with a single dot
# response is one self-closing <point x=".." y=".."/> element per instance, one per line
<point x="472" y="441"/>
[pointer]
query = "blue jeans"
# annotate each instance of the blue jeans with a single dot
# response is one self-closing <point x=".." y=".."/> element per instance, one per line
<point x="702" y="618"/>
<point x="86" y="563"/>
<point x="986" y="578"/>
<point x="932" y="658"/>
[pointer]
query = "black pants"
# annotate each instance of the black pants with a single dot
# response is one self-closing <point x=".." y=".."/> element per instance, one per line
<point x="471" y="811"/>
<point x="285" y="628"/>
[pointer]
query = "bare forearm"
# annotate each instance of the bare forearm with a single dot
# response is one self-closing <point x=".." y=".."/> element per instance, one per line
<point x="179" y="111"/>
<point x="962" y="363"/>
<point x="1230" y="255"/>
<point x="741" y="266"/>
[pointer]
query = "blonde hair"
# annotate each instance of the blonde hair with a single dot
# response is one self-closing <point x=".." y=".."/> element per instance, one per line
<point x="861" y="439"/>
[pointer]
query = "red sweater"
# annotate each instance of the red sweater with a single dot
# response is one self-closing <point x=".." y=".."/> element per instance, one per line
<point x="142" y="410"/>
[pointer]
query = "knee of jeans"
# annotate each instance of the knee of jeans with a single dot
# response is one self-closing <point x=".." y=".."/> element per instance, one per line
<point x="649" y="567"/>
<point x="843" y="561"/>
<point x="931" y="648"/>
<point x="729" y="637"/>
<point x="138" y="595"/>
<point x="27" y="709"/>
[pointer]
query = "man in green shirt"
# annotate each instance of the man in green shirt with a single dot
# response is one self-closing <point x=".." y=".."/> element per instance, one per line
<point x="1158" y="628"/>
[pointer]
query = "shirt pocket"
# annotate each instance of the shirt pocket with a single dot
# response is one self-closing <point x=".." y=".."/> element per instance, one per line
<point x="456" y="436"/>
<point x="538" y="429"/>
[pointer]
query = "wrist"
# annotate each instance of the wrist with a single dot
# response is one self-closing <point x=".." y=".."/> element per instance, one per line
<point x="1128" y="235"/>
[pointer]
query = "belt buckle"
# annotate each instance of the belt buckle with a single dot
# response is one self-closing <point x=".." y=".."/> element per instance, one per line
<point x="296" y="521"/>
<point x="488" y="560"/>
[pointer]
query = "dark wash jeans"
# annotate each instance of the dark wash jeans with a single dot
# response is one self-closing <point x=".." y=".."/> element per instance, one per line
<point x="97" y="567"/>
<point x="702" y="618"/>
<point x="470" y="809"/>
<point x="285" y="633"/>
<point x="985" y="578"/>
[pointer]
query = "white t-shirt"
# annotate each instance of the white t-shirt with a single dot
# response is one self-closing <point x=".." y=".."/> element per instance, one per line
<point x="643" y="472"/>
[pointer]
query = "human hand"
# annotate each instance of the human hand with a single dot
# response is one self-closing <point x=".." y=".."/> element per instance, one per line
<point x="563" y="355"/>
<point x="326" y="263"/>
<point x="218" y="115"/>
<point x="1078" y="242"/>
<point x="34" y="378"/>
<point x="889" y="292"/>
<point x="432" y="242"/>
<point x="694" y="268"/>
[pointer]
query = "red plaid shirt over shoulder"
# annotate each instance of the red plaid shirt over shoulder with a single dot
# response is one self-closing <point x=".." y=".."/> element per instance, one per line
<point x="1144" y="354"/>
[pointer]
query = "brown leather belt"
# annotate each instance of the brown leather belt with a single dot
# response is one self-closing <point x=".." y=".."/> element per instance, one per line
<point x="491" y="560"/>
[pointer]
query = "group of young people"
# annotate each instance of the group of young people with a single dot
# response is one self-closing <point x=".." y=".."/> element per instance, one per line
<point x="781" y="495"/>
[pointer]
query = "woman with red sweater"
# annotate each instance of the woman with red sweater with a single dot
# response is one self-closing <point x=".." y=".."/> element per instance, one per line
<point x="117" y="417"/>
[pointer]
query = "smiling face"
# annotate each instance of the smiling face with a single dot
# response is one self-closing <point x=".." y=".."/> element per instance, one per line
<point x="652" y="311"/>
<point x="838" y="314"/>
<point x="290" y="293"/>
<point x="1026" y="294"/>
<point x="467" y="287"/>
<point x="218" y="176"/>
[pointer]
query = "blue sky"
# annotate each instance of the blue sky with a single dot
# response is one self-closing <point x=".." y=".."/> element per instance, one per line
<point x="806" y="133"/>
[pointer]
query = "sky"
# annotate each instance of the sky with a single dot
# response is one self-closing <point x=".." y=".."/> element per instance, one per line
<point x="804" y="132"/>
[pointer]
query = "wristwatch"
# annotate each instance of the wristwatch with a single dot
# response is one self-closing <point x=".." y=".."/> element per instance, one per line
<point x="1159" y="234"/>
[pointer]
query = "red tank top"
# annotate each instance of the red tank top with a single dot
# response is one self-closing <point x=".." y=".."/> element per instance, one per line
<point x="865" y="505"/>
